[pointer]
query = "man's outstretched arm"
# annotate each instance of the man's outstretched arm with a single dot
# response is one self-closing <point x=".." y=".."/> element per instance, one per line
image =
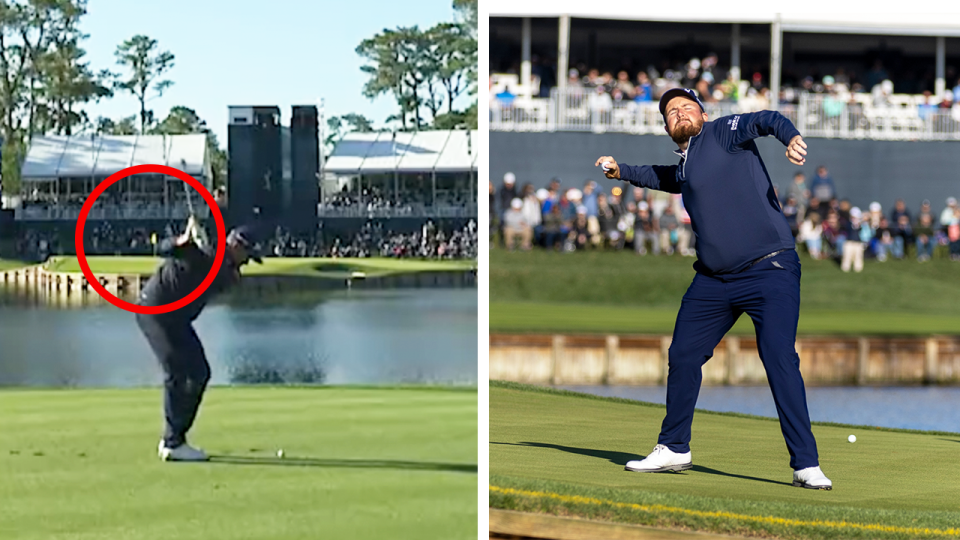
<point x="749" y="126"/>
<point x="659" y="177"/>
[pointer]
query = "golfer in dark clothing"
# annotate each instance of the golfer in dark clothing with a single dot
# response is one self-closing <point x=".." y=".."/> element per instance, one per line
<point x="746" y="263"/>
<point x="188" y="260"/>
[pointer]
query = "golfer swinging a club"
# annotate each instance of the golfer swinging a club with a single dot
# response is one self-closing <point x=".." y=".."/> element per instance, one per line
<point x="187" y="261"/>
<point x="746" y="263"/>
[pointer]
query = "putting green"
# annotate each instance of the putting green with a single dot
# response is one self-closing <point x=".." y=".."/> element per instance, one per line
<point x="10" y="264"/>
<point x="564" y="453"/>
<point x="292" y="266"/>
<point x="359" y="463"/>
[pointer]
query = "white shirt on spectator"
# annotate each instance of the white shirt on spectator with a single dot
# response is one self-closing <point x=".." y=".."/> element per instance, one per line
<point x="531" y="211"/>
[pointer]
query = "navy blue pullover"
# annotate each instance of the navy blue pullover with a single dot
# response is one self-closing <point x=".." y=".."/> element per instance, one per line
<point x="183" y="269"/>
<point x="726" y="190"/>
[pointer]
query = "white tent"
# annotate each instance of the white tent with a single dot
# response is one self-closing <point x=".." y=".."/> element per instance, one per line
<point x="58" y="156"/>
<point x="422" y="151"/>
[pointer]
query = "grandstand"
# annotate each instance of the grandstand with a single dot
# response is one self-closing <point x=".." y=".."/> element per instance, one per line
<point x="60" y="172"/>
<point x="870" y="76"/>
<point x="425" y="174"/>
<point x="876" y="95"/>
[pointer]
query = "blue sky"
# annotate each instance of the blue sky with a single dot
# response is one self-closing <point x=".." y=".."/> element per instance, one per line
<point x="279" y="52"/>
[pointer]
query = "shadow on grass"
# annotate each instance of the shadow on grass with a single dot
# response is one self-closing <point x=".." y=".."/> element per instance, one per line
<point x="950" y="440"/>
<point x="346" y="463"/>
<point x="621" y="458"/>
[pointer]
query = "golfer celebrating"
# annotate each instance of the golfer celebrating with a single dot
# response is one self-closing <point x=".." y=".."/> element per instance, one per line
<point x="171" y="335"/>
<point x="746" y="264"/>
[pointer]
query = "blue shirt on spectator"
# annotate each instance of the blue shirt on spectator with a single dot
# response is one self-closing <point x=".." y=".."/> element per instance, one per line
<point x="644" y="93"/>
<point x="590" y="202"/>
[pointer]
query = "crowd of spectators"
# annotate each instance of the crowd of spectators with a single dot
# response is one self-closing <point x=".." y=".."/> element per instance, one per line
<point x="826" y="226"/>
<point x="114" y="238"/>
<point x="714" y="84"/>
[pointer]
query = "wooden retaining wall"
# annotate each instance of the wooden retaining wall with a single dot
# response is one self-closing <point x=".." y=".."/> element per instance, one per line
<point x="642" y="360"/>
<point x="74" y="286"/>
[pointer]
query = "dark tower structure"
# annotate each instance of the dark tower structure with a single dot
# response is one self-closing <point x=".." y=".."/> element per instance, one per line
<point x="305" y="161"/>
<point x="254" y="176"/>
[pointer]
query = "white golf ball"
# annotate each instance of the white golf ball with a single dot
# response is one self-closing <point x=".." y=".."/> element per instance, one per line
<point x="607" y="165"/>
<point x="852" y="438"/>
<point x="280" y="452"/>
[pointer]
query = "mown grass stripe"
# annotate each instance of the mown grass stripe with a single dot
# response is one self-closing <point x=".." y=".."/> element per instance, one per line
<point x="773" y="520"/>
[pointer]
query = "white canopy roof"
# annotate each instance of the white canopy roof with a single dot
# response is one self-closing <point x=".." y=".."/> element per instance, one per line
<point x="422" y="151"/>
<point x="860" y="21"/>
<point x="84" y="156"/>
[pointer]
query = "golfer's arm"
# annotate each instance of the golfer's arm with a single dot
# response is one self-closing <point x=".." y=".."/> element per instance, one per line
<point x="176" y="247"/>
<point x="760" y="124"/>
<point x="659" y="177"/>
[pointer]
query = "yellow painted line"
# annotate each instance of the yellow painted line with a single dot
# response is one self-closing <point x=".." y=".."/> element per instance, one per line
<point x="656" y="508"/>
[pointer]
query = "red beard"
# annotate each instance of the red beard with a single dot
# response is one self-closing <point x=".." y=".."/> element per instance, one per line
<point x="682" y="132"/>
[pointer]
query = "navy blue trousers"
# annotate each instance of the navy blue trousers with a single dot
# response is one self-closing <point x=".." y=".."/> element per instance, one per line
<point x="186" y="372"/>
<point x="769" y="292"/>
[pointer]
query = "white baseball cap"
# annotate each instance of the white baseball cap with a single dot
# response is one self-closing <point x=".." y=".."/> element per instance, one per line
<point x="516" y="204"/>
<point x="574" y="194"/>
<point x="542" y="194"/>
<point x="643" y="205"/>
<point x="874" y="206"/>
<point x="509" y="178"/>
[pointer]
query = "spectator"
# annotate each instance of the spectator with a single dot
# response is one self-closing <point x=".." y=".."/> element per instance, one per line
<point x="821" y="186"/>
<point x="790" y="211"/>
<point x="947" y="215"/>
<point x="924" y="234"/>
<point x="811" y="234"/>
<point x="493" y="208"/>
<point x="884" y="236"/>
<point x="590" y="203"/>
<point x="531" y="209"/>
<point x="515" y="225"/>
<point x="643" y="91"/>
<point x="925" y="209"/>
<point x="903" y="235"/>
<point x="853" y="247"/>
<point x="579" y="237"/>
<point x="553" y="228"/>
<point x="953" y="234"/>
<point x="685" y="230"/>
<point x="833" y="238"/>
<point x="508" y="192"/>
<point x="645" y="228"/>
<point x="669" y="230"/>
<point x="801" y="195"/>
<point x="607" y="219"/>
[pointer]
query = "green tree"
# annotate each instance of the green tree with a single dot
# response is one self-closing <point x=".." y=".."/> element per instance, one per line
<point x="145" y="64"/>
<point x="66" y="83"/>
<point x="184" y="120"/>
<point x="124" y="126"/>
<point x="400" y="67"/>
<point x="453" y="59"/>
<point x="26" y="30"/>
<point x="466" y="11"/>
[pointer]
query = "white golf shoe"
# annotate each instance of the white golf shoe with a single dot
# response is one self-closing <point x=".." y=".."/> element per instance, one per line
<point x="662" y="459"/>
<point x="811" y="478"/>
<point x="184" y="452"/>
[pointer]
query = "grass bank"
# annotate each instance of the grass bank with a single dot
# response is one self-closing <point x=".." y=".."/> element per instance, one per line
<point x="621" y="292"/>
<point x="280" y="266"/>
<point x="563" y="453"/>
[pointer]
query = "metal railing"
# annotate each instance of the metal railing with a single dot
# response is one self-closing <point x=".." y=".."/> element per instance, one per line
<point x="816" y="115"/>
<point x="408" y="210"/>
<point x="72" y="213"/>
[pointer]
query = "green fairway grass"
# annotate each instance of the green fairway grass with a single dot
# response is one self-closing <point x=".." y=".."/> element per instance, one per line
<point x="10" y="264"/>
<point x="298" y="266"/>
<point x="620" y="292"/>
<point x="564" y="453"/>
<point x="359" y="463"/>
